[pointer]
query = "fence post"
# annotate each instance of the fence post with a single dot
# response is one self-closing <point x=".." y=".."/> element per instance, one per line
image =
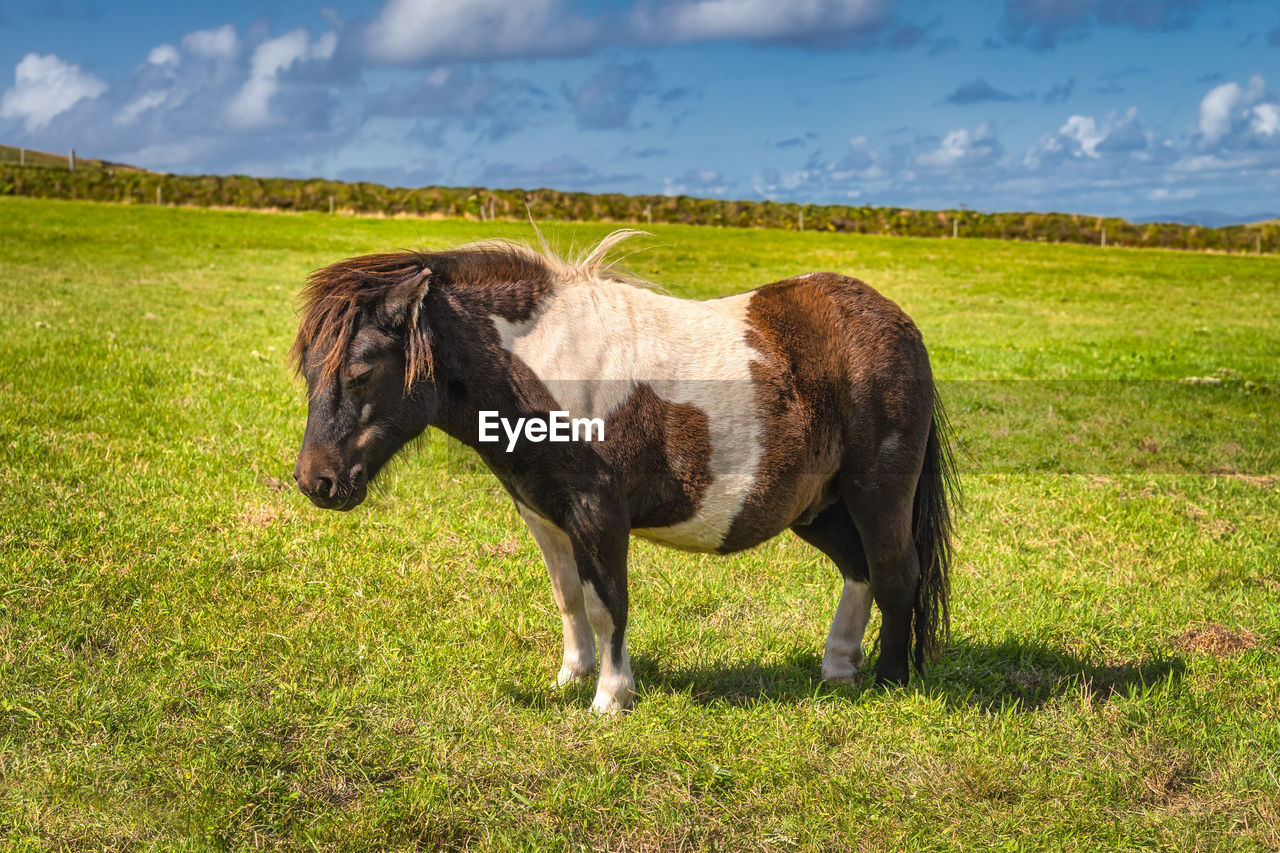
<point x="330" y="205"/>
<point x="1259" y="237"/>
<point x="71" y="160"/>
<point x="802" y="220"/>
<point x="22" y="156"/>
<point x="1104" y="238"/>
<point x="955" y="227"/>
<point x="159" y="196"/>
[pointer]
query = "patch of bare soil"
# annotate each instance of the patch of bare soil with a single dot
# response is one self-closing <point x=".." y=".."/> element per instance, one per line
<point x="259" y="516"/>
<point x="1217" y="640"/>
<point x="1261" y="481"/>
<point x="501" y="549"/>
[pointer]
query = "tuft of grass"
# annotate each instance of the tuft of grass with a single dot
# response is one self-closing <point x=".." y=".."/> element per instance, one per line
<point x="191" y="655"/>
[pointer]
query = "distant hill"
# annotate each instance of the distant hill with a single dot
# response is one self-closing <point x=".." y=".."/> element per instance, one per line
<point x="1208" y="218"/>
<point x="45" y="160"/>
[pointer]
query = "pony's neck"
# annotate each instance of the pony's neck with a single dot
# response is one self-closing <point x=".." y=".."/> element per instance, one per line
<point x="476" y="372"/>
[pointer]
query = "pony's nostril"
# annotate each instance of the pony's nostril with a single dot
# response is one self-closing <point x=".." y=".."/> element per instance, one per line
<point x="357" y="473"/>
<point x="326" y="487"/>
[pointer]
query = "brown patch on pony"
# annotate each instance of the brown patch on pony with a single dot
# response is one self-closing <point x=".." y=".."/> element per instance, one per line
<point x="667" y="448"/>
<point x="844" y="371"/>
<point x="792" y="326"/>
<point x="825" y="340"/>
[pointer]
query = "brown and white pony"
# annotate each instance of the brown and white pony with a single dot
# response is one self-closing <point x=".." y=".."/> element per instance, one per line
<point x="805" y="404"/>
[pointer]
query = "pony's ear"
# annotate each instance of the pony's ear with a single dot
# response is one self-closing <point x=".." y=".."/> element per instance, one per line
<point x="404" y="298"/>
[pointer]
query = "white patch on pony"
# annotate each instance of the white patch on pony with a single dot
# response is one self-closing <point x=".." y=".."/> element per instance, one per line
<point x="579" y="639"/>
<point x="843" y="653"/>
<point x="616" y="687"/>
<point x="593" y="340"/>
<point x="890" y="445"/>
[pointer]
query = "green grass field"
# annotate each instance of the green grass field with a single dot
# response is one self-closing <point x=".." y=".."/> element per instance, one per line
<point x="191" y="656"/>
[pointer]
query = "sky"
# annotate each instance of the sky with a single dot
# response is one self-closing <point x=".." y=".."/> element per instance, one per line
<point x="1132" y="108"/>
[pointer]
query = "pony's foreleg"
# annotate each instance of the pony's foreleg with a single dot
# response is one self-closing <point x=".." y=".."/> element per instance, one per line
<point x="579" y="640"/>
<point x="600" y="541"/>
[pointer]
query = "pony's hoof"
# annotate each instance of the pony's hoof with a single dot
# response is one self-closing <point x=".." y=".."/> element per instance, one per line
<point x="891" y="680"/>
<point x="845" y="674"/>
<point x="568" y="676"/>
<point x="607" y="704"/>
<point x="842" y="669"/>
<point x="841" y="678"/>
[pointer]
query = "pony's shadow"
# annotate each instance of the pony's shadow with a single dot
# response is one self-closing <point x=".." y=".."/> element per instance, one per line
<point x="1012" y="675"/>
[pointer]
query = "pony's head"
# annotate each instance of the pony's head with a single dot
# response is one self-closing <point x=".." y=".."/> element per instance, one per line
<point x="365" y="352"/>
<point x="365" y="346"/>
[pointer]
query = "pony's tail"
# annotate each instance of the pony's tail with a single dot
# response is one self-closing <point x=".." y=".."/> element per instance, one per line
<point x="936" y="491"/>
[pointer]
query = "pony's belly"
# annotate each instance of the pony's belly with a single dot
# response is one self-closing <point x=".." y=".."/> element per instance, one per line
<point x="706" y="529"/>
<point x="712" y="529"/>
<point x="714" y="517"/>
<point x="683" y="536"/>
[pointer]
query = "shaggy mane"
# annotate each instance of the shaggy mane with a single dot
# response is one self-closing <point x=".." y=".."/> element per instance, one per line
<point x="336" y="297"/>
<point x="592" y="264"/>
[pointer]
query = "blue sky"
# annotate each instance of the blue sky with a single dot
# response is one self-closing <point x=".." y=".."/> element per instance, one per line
<point x="1117" y="107"/>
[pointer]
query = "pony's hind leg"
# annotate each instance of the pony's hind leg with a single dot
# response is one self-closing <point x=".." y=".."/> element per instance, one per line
<point x="884" y="526"/>
<point x="833" y="533"/>
<point x="579" y="640"/>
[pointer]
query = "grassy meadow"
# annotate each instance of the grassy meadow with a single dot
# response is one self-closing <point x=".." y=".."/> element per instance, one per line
<point x="191" y="656"/>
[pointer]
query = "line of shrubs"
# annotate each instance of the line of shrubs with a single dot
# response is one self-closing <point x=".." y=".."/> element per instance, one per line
<point x="138" y="187"/>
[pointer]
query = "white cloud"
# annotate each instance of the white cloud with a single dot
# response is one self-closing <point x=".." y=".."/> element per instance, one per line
<point x="1084" y="130"/>
<point x="952" y="149"/>
<point x="1266" y="119"/>
<point x="220" y="43"/>
<point x="406" y="31"/>
<point x="861" y="161"/>
<point x="1163" y="194"/>
<point x="163" y="54"/>
<point x="756" y="20"/>
<point x="45" y="87"/>
<point x="697" y="182"/>
<point x="1084" y="137"/>
<point x="1224" y="104"/>
<point x="1216" y="110"/>
<point x="411" y="30"/>
<point x="962" y="147"/>
<point x="1205" y="163"/>
<point x="148" y="100"/>
<point x="251" y="106"/>
<point x="325" y="46"/>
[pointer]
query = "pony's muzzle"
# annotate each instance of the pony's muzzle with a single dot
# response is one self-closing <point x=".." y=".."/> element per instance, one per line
<point x="317" y="475"/>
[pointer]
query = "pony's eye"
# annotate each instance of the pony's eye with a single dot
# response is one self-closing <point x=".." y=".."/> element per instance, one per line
<point x="360" y="378"/>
